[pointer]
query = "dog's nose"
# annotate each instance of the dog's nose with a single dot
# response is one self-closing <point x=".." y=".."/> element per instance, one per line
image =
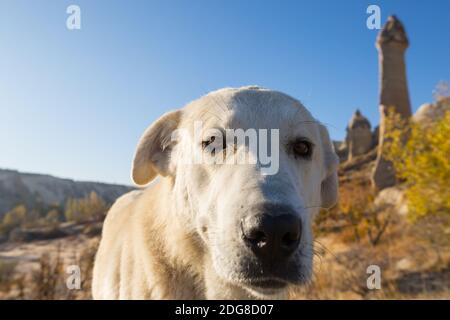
<point x="270" y="237"/>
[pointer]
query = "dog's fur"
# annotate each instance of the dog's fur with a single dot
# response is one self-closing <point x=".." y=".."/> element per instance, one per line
<point x="179" y="237"/>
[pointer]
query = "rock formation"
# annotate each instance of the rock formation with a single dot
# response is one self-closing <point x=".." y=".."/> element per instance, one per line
<point x="391" y="44"/>
<point x="359" y="140"/>
<point x="359" y="135"/>
<point x="428" y="113"/>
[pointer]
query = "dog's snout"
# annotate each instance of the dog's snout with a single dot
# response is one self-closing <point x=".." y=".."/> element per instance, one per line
<point x="271" y="237"/>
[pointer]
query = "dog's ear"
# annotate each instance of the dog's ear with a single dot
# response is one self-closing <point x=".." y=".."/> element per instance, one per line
<point x="329" y="189"/>
<point x="152" y="155"/>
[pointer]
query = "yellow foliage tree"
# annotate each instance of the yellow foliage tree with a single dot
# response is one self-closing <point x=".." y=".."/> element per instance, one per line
<point x="90" y="207"/>
<point x="421" y="157"/>
<point x="13" y="219"/>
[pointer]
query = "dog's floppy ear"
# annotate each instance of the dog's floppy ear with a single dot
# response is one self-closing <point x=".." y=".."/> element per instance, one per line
<point x="152" y="155"/>
<point x="329" y="190"/>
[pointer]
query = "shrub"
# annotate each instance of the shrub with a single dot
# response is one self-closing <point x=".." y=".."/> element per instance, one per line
<point x="356" y="203"/>
<point x="6" y="273"/>
<point x="13" y="219"/>
<point x="421" y="157"/>
<point x="91" y="207"/>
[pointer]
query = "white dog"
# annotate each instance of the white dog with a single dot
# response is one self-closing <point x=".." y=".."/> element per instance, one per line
<point x="219" y="229"/>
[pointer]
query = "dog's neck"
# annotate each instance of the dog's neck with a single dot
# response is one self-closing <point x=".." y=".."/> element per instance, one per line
<point x="182" y="247"/>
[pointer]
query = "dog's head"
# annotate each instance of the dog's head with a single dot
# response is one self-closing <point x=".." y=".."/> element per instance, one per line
<point x="249" y="169"/>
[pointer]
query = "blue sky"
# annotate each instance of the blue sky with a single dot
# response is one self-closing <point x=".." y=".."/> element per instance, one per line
<point x="74" y="103"/>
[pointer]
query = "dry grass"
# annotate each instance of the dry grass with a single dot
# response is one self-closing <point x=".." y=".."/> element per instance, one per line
<point x="408" y="271"/>
<point x="48" y="280"/>
<point x="414" y="259"/>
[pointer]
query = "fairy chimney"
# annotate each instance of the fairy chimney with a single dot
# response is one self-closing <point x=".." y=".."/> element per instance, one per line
<point x="359" y="135"/>
<point x="391" y="43"/>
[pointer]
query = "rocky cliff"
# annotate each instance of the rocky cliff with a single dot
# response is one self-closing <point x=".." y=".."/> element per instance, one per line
<point x="33" y="189"/>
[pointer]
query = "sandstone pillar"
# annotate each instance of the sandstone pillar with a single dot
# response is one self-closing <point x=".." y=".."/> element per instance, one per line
<point x="391" y="43"/>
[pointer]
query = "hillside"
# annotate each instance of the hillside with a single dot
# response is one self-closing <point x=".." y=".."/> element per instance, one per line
<point x="34" y="189"/>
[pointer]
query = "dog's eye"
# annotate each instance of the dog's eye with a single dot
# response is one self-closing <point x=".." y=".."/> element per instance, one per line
<point x="207" y="142"/>
<point x="302" y="148"/>
<point x="213" y="140"/>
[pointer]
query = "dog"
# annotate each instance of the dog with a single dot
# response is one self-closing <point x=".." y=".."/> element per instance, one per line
<point x="210" y="229"/>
